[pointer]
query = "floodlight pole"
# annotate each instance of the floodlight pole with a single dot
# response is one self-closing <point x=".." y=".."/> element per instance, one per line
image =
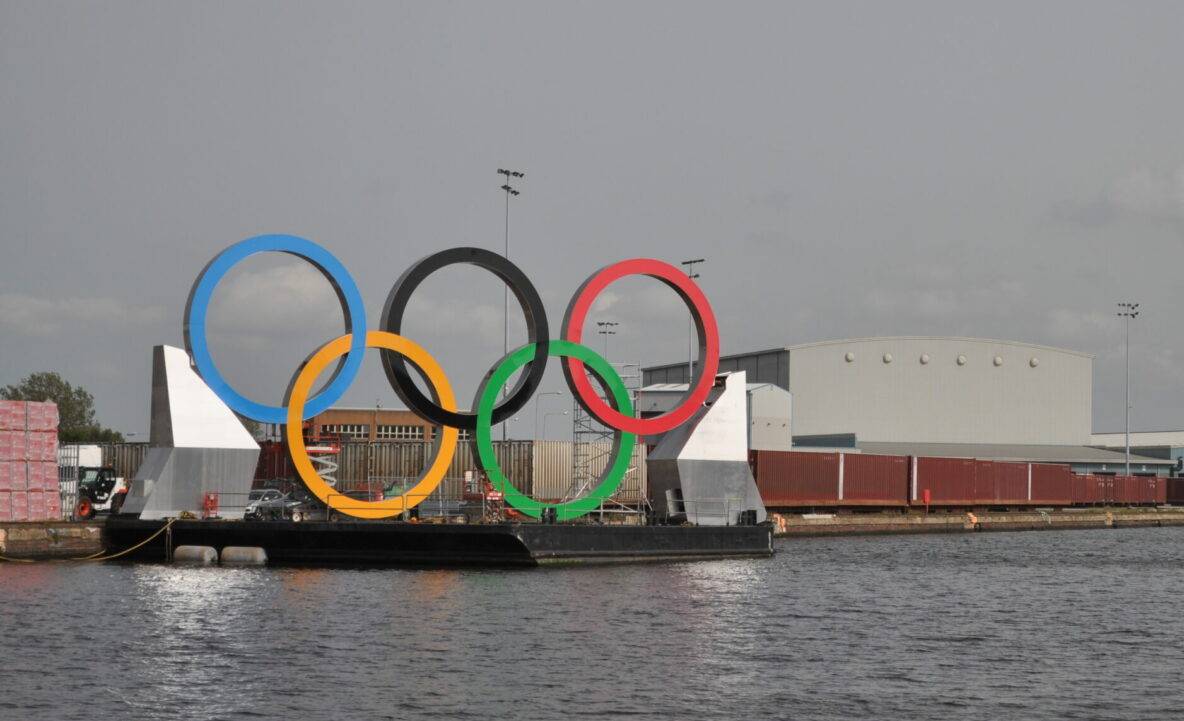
<point x="548" y="415"/>
<point x="1128" y="311"/>
<point x="506" y="290"/>
<point x="536" y="408"/>
<point x="606" y="329"/>
<point x="690" y="264"/>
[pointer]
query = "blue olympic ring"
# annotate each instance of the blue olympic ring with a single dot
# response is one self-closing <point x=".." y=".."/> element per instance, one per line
<point x="347" y="292"/>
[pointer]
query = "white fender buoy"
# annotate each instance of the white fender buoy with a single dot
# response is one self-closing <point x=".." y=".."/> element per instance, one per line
<point x="244" y="556"/>
<point x="195" y="555"/>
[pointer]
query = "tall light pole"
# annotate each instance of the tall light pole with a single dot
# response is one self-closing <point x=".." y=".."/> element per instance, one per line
<point x="1128" y="311"/>
<point x="510" y="174"/>
<point x="690" y="264"/>
<point x="606" y="329"/>
<point x="536" y="407"/>
<point x="548" y="415"/>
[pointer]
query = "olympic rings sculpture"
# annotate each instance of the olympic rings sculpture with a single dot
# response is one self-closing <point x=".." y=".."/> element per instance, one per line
<point x="439" y="406"/>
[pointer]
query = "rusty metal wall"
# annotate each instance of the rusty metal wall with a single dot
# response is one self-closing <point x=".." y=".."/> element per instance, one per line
<point x="1000" y="482"/>
<point x="125" y="458"/>
<point x="1090" y="489"/>
<point x="791" y="478"/>
<point x="542" y="469"/>
<point x="950" y="481"/>
<point x="362" y="464"/>
<point x="1052" y="484"/>
<point x="1174" y="491"/>
<point x="873" y="480"/>
<point x="1139" y="490"/>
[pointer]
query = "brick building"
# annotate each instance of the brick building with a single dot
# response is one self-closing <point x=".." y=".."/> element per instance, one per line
<point x="371" y="424"/>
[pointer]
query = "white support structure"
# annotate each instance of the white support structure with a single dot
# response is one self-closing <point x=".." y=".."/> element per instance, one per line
<point x="197" y="446"/>
<point x="700" y="469"/>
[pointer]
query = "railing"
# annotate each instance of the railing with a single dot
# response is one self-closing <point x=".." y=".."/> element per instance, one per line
<point x="695" y="510"/>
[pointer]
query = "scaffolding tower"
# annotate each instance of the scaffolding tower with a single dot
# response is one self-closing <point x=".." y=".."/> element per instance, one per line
<point x="592" y="442"/>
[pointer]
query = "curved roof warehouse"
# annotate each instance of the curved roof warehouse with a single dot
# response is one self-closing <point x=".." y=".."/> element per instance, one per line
<point x="920" y="395"/>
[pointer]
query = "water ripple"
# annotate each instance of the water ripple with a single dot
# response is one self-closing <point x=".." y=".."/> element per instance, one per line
<point x="1064" y="625"/>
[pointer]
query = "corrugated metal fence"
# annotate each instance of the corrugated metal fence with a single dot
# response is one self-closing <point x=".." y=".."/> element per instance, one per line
<point x="553" y="471"/>
<point x="542" y="469"/>
<point x="124" y="457"/>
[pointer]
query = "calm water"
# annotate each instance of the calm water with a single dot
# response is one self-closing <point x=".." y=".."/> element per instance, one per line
<point x="1072" y="624"/>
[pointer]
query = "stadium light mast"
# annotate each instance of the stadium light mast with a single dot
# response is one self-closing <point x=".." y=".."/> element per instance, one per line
<point x="690" y="264"/>
<point x="1128" y="311"/>
<point x="547" y="416"/>
<point x="606" y="329"/>
<point x="537" y="396"/>
<point x="510" y="175"/>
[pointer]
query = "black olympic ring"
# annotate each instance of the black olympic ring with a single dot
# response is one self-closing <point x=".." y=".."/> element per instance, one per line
<point x="536" y="332"/>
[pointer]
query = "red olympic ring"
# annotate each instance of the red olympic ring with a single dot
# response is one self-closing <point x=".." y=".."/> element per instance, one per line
<point x="708" y="331"/>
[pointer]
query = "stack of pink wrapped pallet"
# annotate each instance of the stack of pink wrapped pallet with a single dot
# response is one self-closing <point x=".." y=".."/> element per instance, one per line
<point x="29" y="461"/>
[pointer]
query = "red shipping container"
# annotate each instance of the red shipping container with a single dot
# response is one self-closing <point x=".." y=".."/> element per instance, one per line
<point x="18" y="505"/>
<point x="950" y="482"/>
<point x="1082" y="487"/>
<point x="789" y="478"/>
<point x="1174" y="491"/>
<point x="1052" y="485"/>
<point x="871" y="480"/>
<point x="1001" y="482"/>
<point x="1125" y="492"/>
<point x="1094" y="489"/>
<point x="1138" y="490"/>
<point x="1011" y="483"/>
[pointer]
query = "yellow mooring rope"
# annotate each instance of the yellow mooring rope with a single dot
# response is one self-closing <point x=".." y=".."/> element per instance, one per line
<point x="97" y="556"/>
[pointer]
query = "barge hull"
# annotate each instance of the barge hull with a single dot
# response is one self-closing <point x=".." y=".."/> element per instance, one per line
<point x="437" y="545"/>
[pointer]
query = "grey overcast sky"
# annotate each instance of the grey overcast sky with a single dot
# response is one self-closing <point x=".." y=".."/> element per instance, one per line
<point x="1005" y="170"/>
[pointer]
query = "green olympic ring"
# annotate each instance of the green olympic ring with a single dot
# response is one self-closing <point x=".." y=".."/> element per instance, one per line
<point x="623" y="442"/>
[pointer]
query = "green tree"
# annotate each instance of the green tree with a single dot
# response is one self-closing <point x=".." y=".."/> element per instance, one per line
<point x="76" y="407"/>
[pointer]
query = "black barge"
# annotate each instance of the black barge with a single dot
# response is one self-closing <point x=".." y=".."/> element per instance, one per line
<point x="386" y="543"/>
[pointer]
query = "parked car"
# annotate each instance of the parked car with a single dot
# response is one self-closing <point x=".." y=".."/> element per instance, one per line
<point x="272" y="505"/>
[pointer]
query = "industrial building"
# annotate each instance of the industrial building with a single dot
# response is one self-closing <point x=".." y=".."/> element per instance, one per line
<point x="370" y="424"/>
<point x="770" y="409"/>
<point x="1155" y="444"/>
<point x="935" y="396"/>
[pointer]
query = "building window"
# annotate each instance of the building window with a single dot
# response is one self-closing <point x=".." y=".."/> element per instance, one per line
<point x="462" y="434"/>
<point x="399" y="433"/>
<point x="354" y="431"/>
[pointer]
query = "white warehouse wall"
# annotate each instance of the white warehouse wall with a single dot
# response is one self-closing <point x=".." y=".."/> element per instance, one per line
<point x="941" y="401"/>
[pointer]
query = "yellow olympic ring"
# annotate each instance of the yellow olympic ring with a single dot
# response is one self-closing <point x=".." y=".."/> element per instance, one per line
<point x="301" y="388"/>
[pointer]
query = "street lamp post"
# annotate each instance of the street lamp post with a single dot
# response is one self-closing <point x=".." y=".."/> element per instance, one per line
<point x="606" y="329"/>
<point x="690" y="264"/>
<point x="536" y="407"/>
<point x="510" y="174"/>
<point x="545" y="417"/>
<point x="1128" y="311"/>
